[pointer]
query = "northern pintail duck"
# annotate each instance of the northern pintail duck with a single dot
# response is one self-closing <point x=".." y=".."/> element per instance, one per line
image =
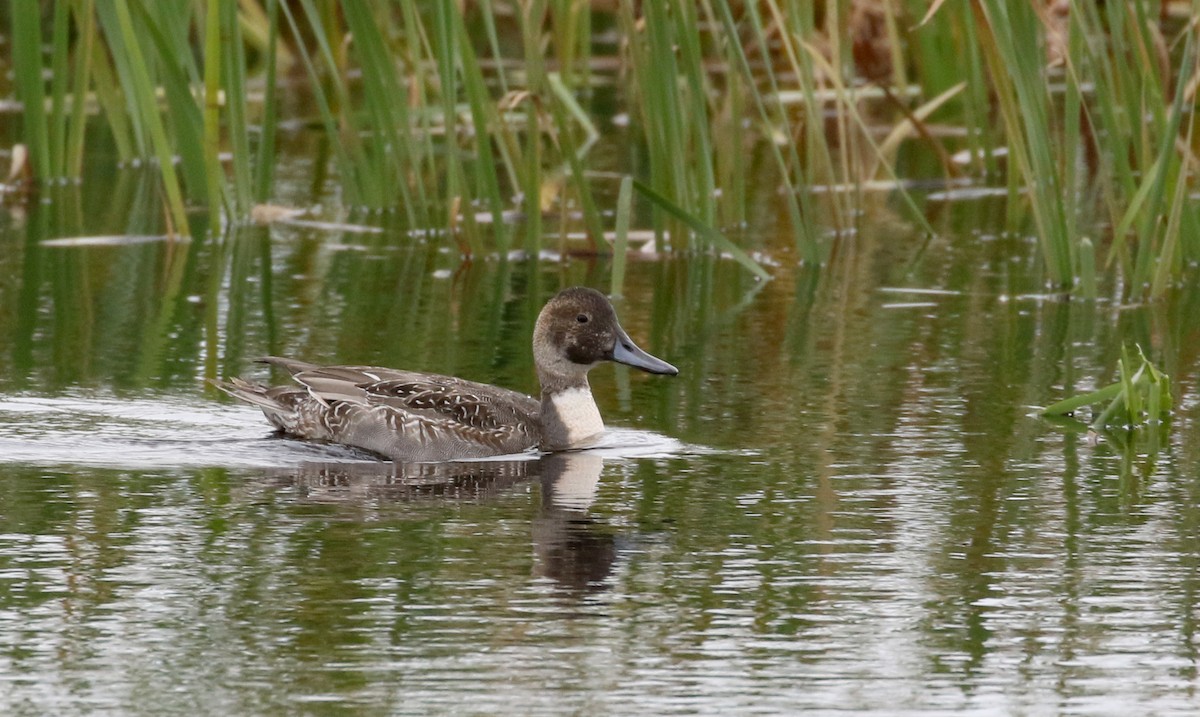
<point x="417" y="417"/>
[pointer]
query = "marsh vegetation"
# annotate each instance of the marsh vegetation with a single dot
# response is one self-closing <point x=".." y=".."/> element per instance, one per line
<point x="966" y="211"/>
<point x="491" y="125"/>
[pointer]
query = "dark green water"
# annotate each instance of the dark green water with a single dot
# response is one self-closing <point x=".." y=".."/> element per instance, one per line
<point x="842" y="503"/>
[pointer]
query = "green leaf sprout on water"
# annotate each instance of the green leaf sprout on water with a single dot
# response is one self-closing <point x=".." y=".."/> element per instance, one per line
<point x="1141" y="396"/>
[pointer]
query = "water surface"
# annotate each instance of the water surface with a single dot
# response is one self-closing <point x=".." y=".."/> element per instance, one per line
<point x="844" y="503"/>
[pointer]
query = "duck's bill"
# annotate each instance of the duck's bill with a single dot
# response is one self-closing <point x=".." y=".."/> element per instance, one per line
<point x="628" y="353"/>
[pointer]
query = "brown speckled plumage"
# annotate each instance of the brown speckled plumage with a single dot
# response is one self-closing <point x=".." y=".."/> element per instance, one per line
<point x="420" y="417"/>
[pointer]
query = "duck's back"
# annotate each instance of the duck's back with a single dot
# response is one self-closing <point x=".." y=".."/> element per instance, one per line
<point x="404" y="415"/>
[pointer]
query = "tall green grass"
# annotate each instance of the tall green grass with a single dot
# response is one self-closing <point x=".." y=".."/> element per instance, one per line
<point x="1119" y="116"/>
<point x="476" y="121"/>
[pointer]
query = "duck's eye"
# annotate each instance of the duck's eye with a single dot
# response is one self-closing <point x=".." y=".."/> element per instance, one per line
<point x="582" y="318"/>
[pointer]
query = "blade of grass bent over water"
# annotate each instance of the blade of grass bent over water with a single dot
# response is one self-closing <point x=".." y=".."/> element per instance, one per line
<point x="715" y="238"/>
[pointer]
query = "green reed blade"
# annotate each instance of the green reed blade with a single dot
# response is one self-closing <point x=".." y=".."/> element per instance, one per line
<point x="344" y="152"/>
<point x="59" y="80"/>
<point x="692" y="64"/>
<point x="1111" y="411"/>
<point x="1086" y="256"/>
<point x="488" y="15"/>
<point x="457" y="200"/>
<point x="621" y="236"/>
<point x="212" y="108"/>
<point x="1128" y="377"/>
<point x="185" y="117"/>
<point x="653" y="73"/>
<point x="1168" y="262"/>
<point x="1076" y="402"/>
<point x="121" y="34"/>
<point x="800" y="209"/>
<point x="483" y="116"/>
<point x="715" y="239"/>
<point x="1010" y="38"/>
<point x="1147" y="257"/>
<point x="531" y="180"/>
<point x="387" y="119"/>
<point x="264" y="165"/>
<point x="85" y="23"/>
<point x="27" y="78"/>
<point x="852" y="111"/>
<point x="234" y="81"/>
<point x="561" y="105"/>
<point x="112" y="103"/>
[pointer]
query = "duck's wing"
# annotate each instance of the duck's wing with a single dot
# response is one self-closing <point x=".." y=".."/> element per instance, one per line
<point x="431" y="396"/>
<point x="470" y="404"/>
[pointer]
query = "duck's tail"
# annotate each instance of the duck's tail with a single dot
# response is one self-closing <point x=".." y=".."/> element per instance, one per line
<point x="278" y="403"/>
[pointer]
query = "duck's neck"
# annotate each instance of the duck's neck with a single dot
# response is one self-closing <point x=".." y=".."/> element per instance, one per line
<point x="569" y="417"/>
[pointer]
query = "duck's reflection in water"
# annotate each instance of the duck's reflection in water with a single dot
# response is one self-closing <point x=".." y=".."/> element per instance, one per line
<point x="571" y="547"/>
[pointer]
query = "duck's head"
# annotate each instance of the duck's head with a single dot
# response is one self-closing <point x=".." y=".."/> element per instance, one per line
<point x="578" y="329"/>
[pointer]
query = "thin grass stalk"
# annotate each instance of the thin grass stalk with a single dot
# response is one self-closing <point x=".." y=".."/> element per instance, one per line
<point x="638" y="61"/>
<point x="1151" y="83"/>
<point x="457" y="200"/>
<point x="488" y="15"/>
<point x="732" y="167"/>
<point x="264" y="166"/>
<point x="984" y="141"/>
<point x="30" y="89"/>
<point x="836" y="28"/>
<point x="169" y="38"/>
<point x="373" y="130"/>
<point x="1086" y="257"/>
<point x="819" y="165"/>
<point x="112" y="103"/>
<point x="212" y="110"/>
<point x="664" y="73"/>
<point x="572" y="23"/>
<point x="1147" y="255"/>
<point x="121" y="32"/>
<point x="85" y="22"/>
<point x="354" y="161"/>
<point x="345" y="155"/>
<point x="532" y="19"/>
<point x="621" y="236"/>
<point x="1107" y="112"/>
<point x="715" y="239"/>
<point x="702" y="187"/>
<point x="1129" y="380"/>
<point x="59" y="80"/>
<point x="483" y="116"/>
<point x="1168" y="262"/>
<point x="532" y="15"/>
<point x="1011" y="46"/>
<point x="657" y="73"/>
<point x="1044" y="181"/>
<point x="560" y="101"/>
<point x="420" y="53"/>
<point x="799" y="206"/>
<point x="1080" y="115"/>
<point x="727" y="119"/>
<point x="532" y="180"/>
<point x="854" y="116"/>
<point x="387" y="112"/>
<point x="239" y="124"/>
<point x="1071" y="149"/>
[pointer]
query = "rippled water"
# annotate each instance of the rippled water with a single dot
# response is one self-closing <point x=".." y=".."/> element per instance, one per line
<point x="844" y="503"/>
